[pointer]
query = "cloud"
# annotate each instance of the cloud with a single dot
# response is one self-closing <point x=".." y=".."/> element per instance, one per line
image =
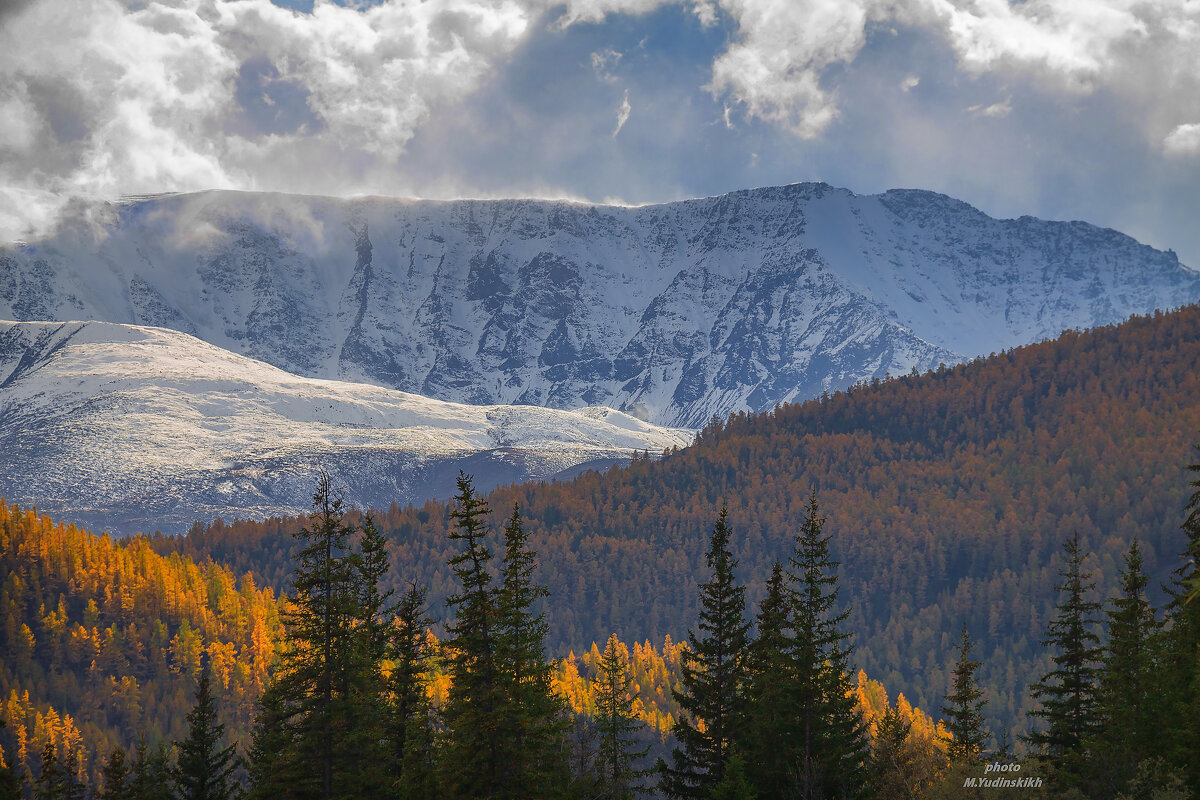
<point x="622" y="114"/>
<point x="995" y="110"/>
<point x="1184" y="140"/>
<point x="604" y="62"/>
<point x="111" y="98"/>
<point x="910" y="83"/>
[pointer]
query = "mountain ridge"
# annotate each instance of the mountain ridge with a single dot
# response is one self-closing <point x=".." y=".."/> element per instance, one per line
<point x="671" y="312"/>
<point x="144" y="428"/>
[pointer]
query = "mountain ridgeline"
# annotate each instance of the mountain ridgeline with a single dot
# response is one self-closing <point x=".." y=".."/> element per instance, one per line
<point x="948" y="496"/>
<point x="671" y="312"/>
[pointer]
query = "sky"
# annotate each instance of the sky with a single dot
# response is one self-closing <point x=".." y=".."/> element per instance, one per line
<point x="1061" y="109"/>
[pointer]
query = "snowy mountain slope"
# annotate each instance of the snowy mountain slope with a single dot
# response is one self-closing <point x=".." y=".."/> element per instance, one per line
<point x="129" y="426"/>
<point x="671" y="312"/>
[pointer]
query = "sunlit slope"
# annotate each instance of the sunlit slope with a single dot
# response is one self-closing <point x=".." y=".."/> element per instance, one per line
<point x="134" y="427"/>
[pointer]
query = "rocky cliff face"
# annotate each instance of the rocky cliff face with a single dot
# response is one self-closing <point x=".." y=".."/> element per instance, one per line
<point x="672" y="313"/>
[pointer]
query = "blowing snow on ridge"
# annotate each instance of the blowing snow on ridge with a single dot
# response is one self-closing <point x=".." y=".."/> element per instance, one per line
<point x="671" y="312"/>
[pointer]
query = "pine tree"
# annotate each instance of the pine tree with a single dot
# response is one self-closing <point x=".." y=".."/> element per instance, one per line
<point x="115" y="777"/>
<point x="533" y="717"/>
<point x="766" y="739"/>
<point x="712" y="678"/>
<point x="474" y="758"/>
<point x="829" y="735"/>
<point x="1128" y="692"/>
<point x="204" y="769"/>
<point x="964" y="708"/>
<point x="618" y="750"/>
<point x="1068" y="692"/>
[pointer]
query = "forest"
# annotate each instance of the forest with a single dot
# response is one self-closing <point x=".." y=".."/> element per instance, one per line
<point x="1001" y="542"/>
<point x="949" y="495"/>
<point x="362" y="700"/>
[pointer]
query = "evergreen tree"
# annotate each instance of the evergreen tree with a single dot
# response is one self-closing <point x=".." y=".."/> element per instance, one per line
<point x="1068" y="692"/>
<point x="409" y="729"/>
<point x="1129" y="690"/>
<point x="618" y="751"/>
<point x="58" y="778"/>
<point x="474" y="758"/>
<point x="735" y="785"/>
<point x="10" y="784"/>
<point x="1179" y="720"/>
<point x="767" y="739"/>
<point x="533" y="717"/>
<point x="964" y="708"/>
<point x="151" y="773"/>
<point x="363" y="686"/>
<point x="829" y="735"/>
<point x="204" y="769"/>
<point x="116" y="777"/>
<point x="892" y="767"/>
<point x="712" y="678"/>
<point x="328" y="707"/>
<point x="271" y="769"/>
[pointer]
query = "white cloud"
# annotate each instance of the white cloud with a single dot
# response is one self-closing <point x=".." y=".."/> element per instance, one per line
<point x="1184" y="140"/>
<point x="774" y="66"/>
<point x="110" y="98"/>
<point x="623" y="113"/>
<point x="910" y="83"/>
<point x="995" y="110"/>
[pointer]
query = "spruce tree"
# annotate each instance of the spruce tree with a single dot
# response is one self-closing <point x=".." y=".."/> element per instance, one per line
<point x="766" y="739"/>
<point x="10" y="784"/>
<point x="271" y="766"/>
<point x="533" y="716"/>
<point x="115" y="777"/>
<point x="151" y="773"/>
<point x="829" y="736"/>
<point x="474" y="758"/>
<point x="409" y="729"/>
<point x="1128" y="692"/>
<point x="58" y="777"/>
<point x="892" y="763"/>
<point x="1067" y="693"/>
<point x="712" y="666"/>
<point x="363" y="686"/>
<point x="1179" y="721"/>
<point x="620" y="779"/>
<point x="328" y="706"/>
<point x="964" y="708"/>
<point x="204" y="770"/>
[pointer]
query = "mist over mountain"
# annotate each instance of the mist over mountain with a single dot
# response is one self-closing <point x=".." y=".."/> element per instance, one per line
<point x="671" y="312"/>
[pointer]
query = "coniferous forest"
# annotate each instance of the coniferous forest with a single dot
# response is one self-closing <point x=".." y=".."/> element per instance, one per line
<point x="416" y="653"/>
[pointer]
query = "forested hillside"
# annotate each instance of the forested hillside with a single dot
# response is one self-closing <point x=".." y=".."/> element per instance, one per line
<point x="948" y="496"/>
<point x="102" y="640"/>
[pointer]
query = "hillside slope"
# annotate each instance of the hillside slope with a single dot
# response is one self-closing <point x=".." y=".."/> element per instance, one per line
<point x="671" y="312"/>
<point x="130" y="428"/>
<point x="948" y="496"/>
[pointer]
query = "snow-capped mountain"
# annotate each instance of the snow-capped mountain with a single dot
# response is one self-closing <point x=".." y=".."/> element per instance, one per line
<point x="671" y="312"/>
<point x="130" y="428"/>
